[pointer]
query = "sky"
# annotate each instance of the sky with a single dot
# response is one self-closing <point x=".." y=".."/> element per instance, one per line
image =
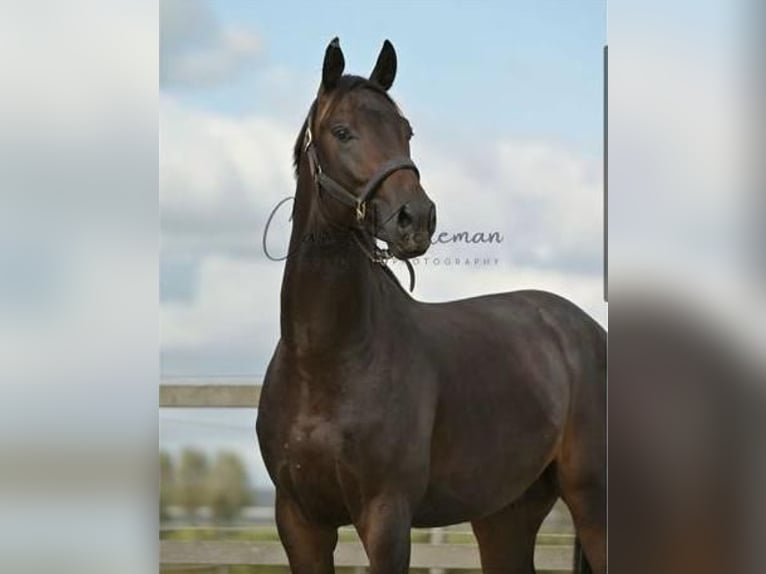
<point x="533" y="65"/>
<point x="506" y="105"/>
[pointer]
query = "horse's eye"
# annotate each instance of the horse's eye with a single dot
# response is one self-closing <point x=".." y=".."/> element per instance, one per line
<point x="342" y="133"/>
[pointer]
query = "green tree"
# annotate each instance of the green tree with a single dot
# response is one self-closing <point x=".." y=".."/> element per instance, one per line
<point x="229" y="487"/>
<point x="191" y="484"/>
<point x="167" y="485"/>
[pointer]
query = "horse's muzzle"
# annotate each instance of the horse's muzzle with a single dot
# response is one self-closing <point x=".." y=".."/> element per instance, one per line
<point x="409" y="231"/>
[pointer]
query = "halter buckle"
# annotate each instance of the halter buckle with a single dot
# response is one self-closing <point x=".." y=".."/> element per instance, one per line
<point x="361" y="211"/>
<point x="308" y="142"/>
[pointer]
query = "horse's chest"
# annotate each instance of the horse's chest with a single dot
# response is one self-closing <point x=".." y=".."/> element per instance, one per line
<point x="307" y="462"/>
<point x="310" y="440"/>
<point x="320" y="438"/>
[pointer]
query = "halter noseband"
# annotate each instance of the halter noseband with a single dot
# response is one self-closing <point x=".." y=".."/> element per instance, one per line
<point x="357" y="201"/>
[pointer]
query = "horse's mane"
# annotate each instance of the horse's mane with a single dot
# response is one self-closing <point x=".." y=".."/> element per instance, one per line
<point x="345" y="85"/>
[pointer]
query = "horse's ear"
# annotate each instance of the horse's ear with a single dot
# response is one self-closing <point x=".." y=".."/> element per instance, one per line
<point x="332" y="69"/>
<point x="385" y="68"/>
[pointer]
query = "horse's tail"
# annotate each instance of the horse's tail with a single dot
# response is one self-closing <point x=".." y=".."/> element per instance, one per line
<point x="581" y="565"/>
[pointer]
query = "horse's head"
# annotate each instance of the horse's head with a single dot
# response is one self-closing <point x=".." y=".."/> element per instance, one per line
<point x="357" y="143"/>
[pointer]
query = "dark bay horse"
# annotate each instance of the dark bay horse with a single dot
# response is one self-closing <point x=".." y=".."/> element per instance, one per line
<point x="387" y="413"/>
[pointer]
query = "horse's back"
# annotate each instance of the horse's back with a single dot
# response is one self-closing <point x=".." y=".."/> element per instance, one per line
<point x="518" y="305"/>
<point x="514" y="325"/>
<point x="519" y="320"/>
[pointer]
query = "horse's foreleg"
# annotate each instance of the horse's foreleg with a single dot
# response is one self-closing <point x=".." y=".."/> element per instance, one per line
<point x="384" y="527"/>
<point x="309" y="546"/>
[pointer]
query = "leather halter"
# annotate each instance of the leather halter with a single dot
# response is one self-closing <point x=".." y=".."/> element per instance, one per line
<point x="357" y="201"/>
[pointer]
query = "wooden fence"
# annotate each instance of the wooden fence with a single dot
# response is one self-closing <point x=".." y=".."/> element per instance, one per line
<point x="224" y="553"/>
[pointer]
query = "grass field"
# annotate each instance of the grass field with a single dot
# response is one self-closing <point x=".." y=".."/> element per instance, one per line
<point x="556" y="531"/>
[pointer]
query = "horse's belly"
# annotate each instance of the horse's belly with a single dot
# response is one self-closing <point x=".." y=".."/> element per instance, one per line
<point x="451" y="501"/>
<point x="477" y="476"/>
<point x="439" y="507"/>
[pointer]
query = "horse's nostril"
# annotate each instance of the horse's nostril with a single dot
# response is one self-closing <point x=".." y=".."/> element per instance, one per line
<point x="404" y="219"/>
<point x="432" y="219"/>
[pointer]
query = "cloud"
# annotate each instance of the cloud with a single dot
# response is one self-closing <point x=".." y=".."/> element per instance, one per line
<point x="219" y="179"/>
<point x="544" y="199"/>
<point x="448" y="282"/>
<point x="231" y="325"/>
<point x="196" y="50"/>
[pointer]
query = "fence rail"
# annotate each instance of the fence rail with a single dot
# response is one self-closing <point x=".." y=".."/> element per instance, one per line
<point x="235" y="553"/>
<point x="224" y="553"/>
<point x="210" y="396"/>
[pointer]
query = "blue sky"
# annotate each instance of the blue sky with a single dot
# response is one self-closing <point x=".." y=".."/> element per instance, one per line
<point x="528" y="68"/>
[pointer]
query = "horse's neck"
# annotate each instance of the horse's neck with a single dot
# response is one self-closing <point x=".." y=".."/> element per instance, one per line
<point x="330" y="290"/>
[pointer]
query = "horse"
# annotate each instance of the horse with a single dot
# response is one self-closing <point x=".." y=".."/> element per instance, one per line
<point x="388" y="413"/>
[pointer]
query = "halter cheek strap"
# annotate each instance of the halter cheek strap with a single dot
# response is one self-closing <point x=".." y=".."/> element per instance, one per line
<point x="356" y="201"/>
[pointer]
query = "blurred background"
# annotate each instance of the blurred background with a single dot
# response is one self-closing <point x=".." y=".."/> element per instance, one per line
<point x="236" y="82"/>
<point x="87" y="86"/>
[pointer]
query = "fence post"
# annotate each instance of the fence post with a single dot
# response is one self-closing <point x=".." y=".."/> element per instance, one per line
<point x="436" y="537"/>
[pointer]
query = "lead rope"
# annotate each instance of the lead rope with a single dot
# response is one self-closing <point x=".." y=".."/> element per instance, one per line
<point x="411" y="271"/>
